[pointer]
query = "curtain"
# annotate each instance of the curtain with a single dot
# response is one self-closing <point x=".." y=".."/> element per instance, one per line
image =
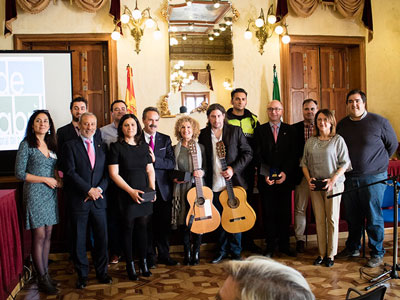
<point x="33" y="6"/>
<point x="90" y="5"/>
<point x="10" y="15"/>
<point x="303" y="8"/>
<point x="349" y="8"/>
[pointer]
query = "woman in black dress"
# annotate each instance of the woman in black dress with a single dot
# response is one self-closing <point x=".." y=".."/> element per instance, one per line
<point x="131" y="168"/>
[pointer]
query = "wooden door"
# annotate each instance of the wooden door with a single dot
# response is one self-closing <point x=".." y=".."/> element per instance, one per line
<point x="88" y="68"/>
<point x="325" y="74"/>
<point x="334" y="65"/>
<point x="304" y="77"/>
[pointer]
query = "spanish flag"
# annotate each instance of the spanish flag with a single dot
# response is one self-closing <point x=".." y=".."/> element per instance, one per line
<point x="130" y="99"/>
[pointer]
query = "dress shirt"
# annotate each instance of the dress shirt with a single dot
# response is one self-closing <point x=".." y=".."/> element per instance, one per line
<point x="109" y="134"/>
<point x="219" y="183"/>
<point x="147" y="137"/>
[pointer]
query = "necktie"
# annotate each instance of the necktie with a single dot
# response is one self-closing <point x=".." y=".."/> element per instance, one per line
<point x="275" y="132"/>
<point x="90" y="152"/>
<point x="151" y="144"/>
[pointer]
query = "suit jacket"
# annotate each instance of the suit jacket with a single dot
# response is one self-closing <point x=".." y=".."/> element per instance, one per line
<point x="65" y="134"/>
<point x="300" y="142"/>
<point x="80" y="175"/>
<point x="280" y="155"/>
<point x="238" y="152"/>
<point x="164" y="163"/>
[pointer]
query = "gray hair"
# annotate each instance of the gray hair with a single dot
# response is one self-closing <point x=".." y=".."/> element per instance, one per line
<point x="260" y="278"/>
<point x="87" y="114"/>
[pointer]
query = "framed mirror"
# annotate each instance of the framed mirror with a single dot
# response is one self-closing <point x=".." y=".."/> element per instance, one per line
<point x="201" y="53"/>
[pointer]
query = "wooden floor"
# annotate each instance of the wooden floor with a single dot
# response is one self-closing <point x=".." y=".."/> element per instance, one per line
<point x="204" y="280"/>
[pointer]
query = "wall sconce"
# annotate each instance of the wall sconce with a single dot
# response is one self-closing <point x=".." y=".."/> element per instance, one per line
<point x="179" y="78"/>
<point x="265" y="27"/>
<point x="136" y="21"/>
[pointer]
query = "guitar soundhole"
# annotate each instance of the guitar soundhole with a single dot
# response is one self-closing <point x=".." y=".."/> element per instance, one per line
<point x="233" y="203"/>
<point x="200" y="201"/>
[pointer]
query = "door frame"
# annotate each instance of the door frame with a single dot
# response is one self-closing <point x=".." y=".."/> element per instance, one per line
<point x="20" y="39"/>
<point x="309" y="40"/>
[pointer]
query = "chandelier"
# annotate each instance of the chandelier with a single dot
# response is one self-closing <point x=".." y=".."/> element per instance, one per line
<point x="179" y="78"/>
<point x="265" y="27"/>
<point x="136" y="21"/>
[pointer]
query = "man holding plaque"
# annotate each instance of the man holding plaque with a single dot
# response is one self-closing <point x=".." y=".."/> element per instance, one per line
<point x="276" y="151"/>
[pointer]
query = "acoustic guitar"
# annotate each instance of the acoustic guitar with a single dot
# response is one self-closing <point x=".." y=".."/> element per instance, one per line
<point x="203" y="217"/>
<point x="237" y="214"/>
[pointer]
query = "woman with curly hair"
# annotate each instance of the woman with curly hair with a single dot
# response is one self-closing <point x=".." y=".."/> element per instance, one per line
<point x="186" y="129"/>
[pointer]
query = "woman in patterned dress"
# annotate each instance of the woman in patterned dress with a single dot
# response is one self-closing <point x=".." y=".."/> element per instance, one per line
<point x="35" y="165"/>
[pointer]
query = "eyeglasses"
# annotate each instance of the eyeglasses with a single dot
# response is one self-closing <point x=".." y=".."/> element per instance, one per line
<point x="274" y="109"/>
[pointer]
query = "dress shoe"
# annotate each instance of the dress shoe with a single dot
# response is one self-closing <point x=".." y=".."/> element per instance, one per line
<point x="236" y="256"/>
<point x="329" y="262"/>
<point x="289" y="252"/>
<point x="318" y="261"/>
<point x="300" y="246"/>
<point x="348" y="253"/>
<point x="151" y="264"/>
<point x="253" y="248"/>
<point x="218" y="258"/>
<point x="106" y="279"/>
<point x="114" y="259"/>
<point x="144" y="268"/>
<point x="81" y="283"/>
<point x="130" y="269"/>
<point x="53" y="282"/>
<point x="45" y="286"/>
<point x="167" y="261"/>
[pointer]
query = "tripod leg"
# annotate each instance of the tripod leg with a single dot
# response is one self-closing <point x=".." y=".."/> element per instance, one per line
<point x="377" y="284"/>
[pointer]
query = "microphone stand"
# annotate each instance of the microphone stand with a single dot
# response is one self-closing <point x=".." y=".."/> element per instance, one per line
<point x="393" y="271"/>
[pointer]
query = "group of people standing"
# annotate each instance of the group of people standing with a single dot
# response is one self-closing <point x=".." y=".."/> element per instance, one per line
<point x="137" y="160"/>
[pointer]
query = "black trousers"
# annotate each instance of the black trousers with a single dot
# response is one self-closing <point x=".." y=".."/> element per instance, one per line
<point x="159" y="228"/>
<point x="276" y="207"/>
<point x="97" y="219"/>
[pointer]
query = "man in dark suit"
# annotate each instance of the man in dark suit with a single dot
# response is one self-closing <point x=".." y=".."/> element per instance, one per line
<point x="86" y="174"/>
<point x="276" y="151"/>
<point x="238" y="156"/>
<point x="164" y="161"/>
<point x="78" y="106"/>
<point x="304" y="130"/>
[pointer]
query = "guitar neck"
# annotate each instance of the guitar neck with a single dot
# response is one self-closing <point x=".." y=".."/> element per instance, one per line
<point x="198" y="180"/>
<point x="229" y="185"/>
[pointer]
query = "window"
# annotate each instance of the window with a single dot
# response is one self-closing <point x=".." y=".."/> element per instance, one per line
<point x="193" y="100"/>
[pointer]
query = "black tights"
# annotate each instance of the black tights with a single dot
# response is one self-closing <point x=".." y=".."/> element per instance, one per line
<point x="41" y="248"/>
<point x="141" y="232"/>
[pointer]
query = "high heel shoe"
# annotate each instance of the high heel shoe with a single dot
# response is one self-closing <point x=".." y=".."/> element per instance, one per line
<point x="144" y="269"/>
<point x="130" y="269"/>
<point x="195" y="258"/>
<point x="188" y="258"/>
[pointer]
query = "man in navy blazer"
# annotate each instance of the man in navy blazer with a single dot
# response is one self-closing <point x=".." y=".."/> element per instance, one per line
<point x="86" y="174"/>
<point x="276" y="152"/>
<point x="164" y="162"/>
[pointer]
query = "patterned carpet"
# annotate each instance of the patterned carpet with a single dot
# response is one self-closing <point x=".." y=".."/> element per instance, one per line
<point x="203" y="281"/>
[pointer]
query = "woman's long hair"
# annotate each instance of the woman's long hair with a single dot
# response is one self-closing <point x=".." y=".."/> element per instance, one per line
<point x="138" y="135"/>
<point x="331" y="119"/>
<point x="50" y="137"/>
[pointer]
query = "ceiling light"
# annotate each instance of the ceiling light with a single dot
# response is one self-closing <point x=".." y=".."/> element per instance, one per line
<point x="184" y="36"/>
<point x="216" y="4"/>
<point x="189" y="2"/>
<point x="210" y="37"/>
<point x="191" y="26"/>
<point x="228" y="21"/>
<point x="222" y="27"/>
<point x="216" y="32"/>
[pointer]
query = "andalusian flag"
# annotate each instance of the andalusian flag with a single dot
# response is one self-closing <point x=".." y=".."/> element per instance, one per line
<point x="130" y="92"/>
<point x="275" y="92"/>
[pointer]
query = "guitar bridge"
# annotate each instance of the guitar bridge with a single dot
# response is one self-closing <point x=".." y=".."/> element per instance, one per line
<point x="203" y="218"/>
<point x="237" y="219"/>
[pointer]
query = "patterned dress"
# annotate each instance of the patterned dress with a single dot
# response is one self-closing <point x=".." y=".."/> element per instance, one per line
<point x="40" y="200"/>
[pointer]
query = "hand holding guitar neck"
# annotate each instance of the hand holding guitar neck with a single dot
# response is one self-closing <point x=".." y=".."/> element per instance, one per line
<point x="237" y="215"/>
